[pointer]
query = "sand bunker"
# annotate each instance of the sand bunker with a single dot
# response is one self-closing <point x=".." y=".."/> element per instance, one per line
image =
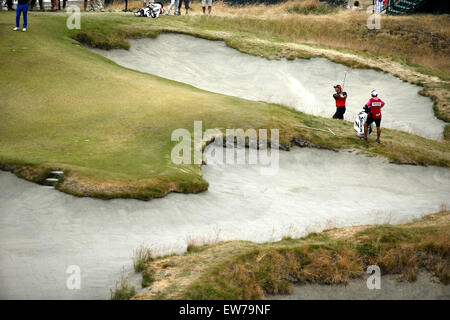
<point x="43" y="231"/>
<point x="306" y="85"/>
<point x="391" y="289"/>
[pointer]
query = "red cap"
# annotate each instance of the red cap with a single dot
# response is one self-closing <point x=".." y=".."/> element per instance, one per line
<point x="338" y="86"/>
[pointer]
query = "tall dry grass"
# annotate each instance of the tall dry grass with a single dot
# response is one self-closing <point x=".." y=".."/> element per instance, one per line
<point x="400" y="250"/>
<point x="122" y="289"/>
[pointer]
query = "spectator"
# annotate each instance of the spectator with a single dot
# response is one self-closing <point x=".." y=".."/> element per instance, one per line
<point x="340" y="97"/>
<point x="209" y="6"/>
<point x="379" y="6"/>
<point x="172" y="4"/>
<point x="186" y="6"/>
<point x="22" y="7"/>
<point x="59" y="4"/>
<point x="9" y="4"/>
<point x="96" y="4"/>
<point x="33" y="3"/>
<point x="54" y="5"/>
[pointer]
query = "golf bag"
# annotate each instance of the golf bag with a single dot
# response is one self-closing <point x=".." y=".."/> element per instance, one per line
<point x="154" y="9"/>
<point x="360" y="120"/>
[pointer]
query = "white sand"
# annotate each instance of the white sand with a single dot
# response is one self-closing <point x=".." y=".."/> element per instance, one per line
<point x="306" y="85"/>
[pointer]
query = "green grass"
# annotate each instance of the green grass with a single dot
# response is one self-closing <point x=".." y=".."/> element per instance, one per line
<point x="65" y="107"/>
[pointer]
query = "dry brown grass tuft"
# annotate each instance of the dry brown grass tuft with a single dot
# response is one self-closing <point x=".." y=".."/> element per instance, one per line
<point x="141" y="256"/>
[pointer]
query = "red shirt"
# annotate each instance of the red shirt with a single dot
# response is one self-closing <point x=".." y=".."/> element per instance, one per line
<point x="340" y="102"/>
<point x="375" y="104"/>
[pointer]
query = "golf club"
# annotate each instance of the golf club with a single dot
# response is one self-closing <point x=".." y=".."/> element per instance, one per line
<point x="343" y="82"/>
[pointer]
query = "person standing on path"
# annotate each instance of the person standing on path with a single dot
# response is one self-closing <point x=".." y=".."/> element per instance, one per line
<point x="204" y="6"/>
<point x="33" y="4"/>
<point x="186" y="6"/>
<point x="340" y="98"/>
<point x="64" y="4"/>
<point x="22" y="8"/>
<point x="172" y="4"/>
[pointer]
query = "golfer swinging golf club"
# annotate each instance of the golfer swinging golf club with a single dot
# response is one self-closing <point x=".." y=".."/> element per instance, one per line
<point x="340" y="98"/>
<point x="374" y="104"/>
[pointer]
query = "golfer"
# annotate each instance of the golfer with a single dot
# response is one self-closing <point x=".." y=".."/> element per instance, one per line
<point x="374" y="104"/>
<point x="340" y="98"/>
<point x="22" y="7"/>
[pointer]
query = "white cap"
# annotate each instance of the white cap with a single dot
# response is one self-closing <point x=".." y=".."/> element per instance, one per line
<point x="374" y="93"/>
